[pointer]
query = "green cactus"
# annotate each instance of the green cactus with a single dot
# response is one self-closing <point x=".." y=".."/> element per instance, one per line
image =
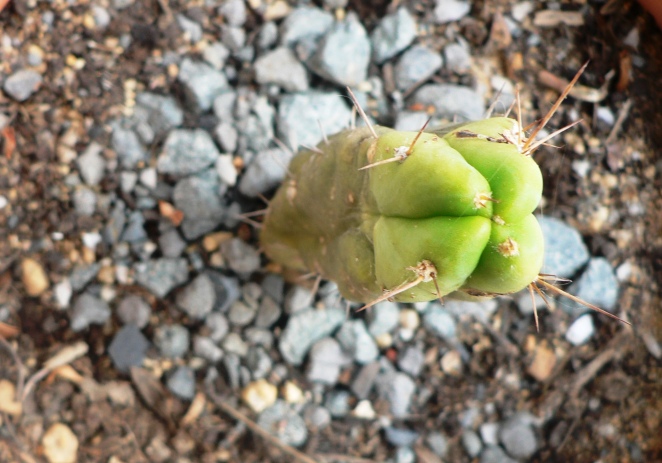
<point x="414" y="216"/>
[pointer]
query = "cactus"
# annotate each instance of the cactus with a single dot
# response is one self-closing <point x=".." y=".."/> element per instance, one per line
<point x="413" y="216"/>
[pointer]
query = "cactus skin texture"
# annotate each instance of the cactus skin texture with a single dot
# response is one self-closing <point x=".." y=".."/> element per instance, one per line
<point x="458" y="201"/>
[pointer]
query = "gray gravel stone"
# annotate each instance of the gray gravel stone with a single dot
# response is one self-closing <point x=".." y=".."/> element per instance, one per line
<point x="234" y="38"/>
<point x="518" y="438"/>
<point x="326" y="360"/>
<point x="298" y="117"/>
<point x="160" y="276"/>
<point x="186" y="152"/>
<point x="197" y="298"/>
<point x="259" y="337"/>
<point x="438" y="443"/>
<point x="268" y="313"/>
<point x="227" y="290"/>
<point x="215" y="54"/>
<point x="393" y="34"/>
<point x="181" y="382"/>
<point x="234" y="343"/>
<point x="343" y="54"/>
<point x="337" y="402"/>
<point x="267" y="36"/>
<point x="281" y="67"/>
<point x="84" y="201"/>
<point x="134" y="232"/>
<point x="242" y="258"/>
<point x="128" y="348"/>
<point x="88" y="310"/>
<point x="450" y="101"/>
<point x="133" y="310"/>
<point x="218" y="326"/>
<point x="398" y="389"/>
<point x="355" y="339"/>
<point x="410" y="120"/>
<point x="273" y="285"/>
<point x="259" y="362"/>
<point x="471" y="443"/>
<point x="198" y="197"/>
<point x="91" y="164"/>
<point x="227" y="136"/>
<point x="405" y="455"/>
<point x="224" y="106"/>
<point x="480" y="310"/>
<point x="304" y="22"/>
<point x="495" y="454"/>
<point x="597" y="285"/>
<point x="384" y="318"/>
<point x="190" y="27"/>
<point x="450" y="10"/>
<point x="298" y="298"/>
<point x="202" y="83"/>
<point x="206" y="348"/>
<point x="172" y="340"/>
<point x="82" y="275"/>
<point x="171" y="243"/>
<point x="284" y="423"/>
<point x="233" y="12"/>
<point x="412" y="360"/>
<point x="565" y="251"/>
<point x="400" y="437"/>
<point x="128" y="181"/>
<point x="489" y="433"/>
<point x="457" y="57"/>
<point x="416" y="65"/>
<point x="581" y="330"/>
<point x="439" y="321"/>
<point x="305" y="328"/>
<point x="365" y="380"/>
<point x="317" y="417"/>
<point x="126" y="144"/>
<point x="163" y="112"/>
<point x="22" y="84"/>
<point x="241" y="314"/>
<point x="265" y="172"/>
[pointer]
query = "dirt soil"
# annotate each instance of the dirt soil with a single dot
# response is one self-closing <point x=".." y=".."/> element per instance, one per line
<point x="605" y="397"/>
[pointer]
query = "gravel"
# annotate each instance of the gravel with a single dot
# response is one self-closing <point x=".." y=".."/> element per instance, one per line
<point x="565" y="251"/>
<point x="22" y="84"/>
<point x="393" y="34"/>
<point x="197" y="299"/>
<point x="439" y="321"/>
<point x="172" y="340"/>
<point x="495" y="454"/>
<point x="265" y="172"/>
<point x="451" y="101"/>
<point x="181" y="382"/>
<point x="218" y="326"/>
<point x="128" y="348"/>
<point x="597" y="285"/>
<point x="384" y="318"/>
<point x="199" y="197"/>
<point x="581" y="330"/>
<point x="412" y="360"/>
<point x="355" y="339"/>
<point x="186" y="152"/>
<point x="457" y="57"/>
<point x="326" y="360"/>
<point x="304" y="23"/>
<point x="400" y="437"/>
<point x="446" y="11"/>
<point x="417" y="64"/>
<point x="133" y="310"/>
<point x="206" y="348"/>
<point x="242" y="258"/>
<point x="91" y="164"/>
<point x="471" y="443"/>
<point x="160" y="276"/>
<point x="202" y="83"/>
<point x="343" y="54"/>
<point x="284" y="423"/>
<point x="281" y="67"/>
<point x="518" y="437"/>
<point x="398" y="389"/>
<point x="88" y="310"/>
<point x="304" y="328"/>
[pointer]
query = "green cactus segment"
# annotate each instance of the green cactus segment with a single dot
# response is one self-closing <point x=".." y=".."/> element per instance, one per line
<point x="515" y="179"/>
<point x="460" y="200"/>
<point x="445" y="184"/>
<point x="453" y="245"/>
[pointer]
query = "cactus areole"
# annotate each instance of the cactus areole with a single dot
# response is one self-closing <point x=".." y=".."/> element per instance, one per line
<point x="452" y="214"/>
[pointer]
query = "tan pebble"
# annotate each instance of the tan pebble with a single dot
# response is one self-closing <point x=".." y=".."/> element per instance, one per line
<point x="409" y="319"/>
<point x="89" y="255"/>
<point x="259" y="395"/>
<point x="292" y="393"/>
<point x="276" y="10"/>
<point x="543" y="363"/>
<point x="106" y="274"/>
<point x="212" y="241"/>
<point x="451" y="363"/>
<point x="60" y="444"/>
<point x="384" y="340"/>
<point x="34" y="277"/>
<point x="8" y="402"/>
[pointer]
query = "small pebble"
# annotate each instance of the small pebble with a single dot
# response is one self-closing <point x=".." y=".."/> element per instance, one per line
<point x="87" y="310"/>
<point x="400" y="437"/>
<point x="457" y="57"/>
<point x="134" y="310"/>
<point x="128" y="348"/>
<point x="191" y="28"/>
<point x="163" y="111"/>
<point x="393" y="34"/>
<point x="489" y="433"/>
<point x="172" y="340"/>
<point x="451" y="101"/>
<point x="355" y="339"/>
<point x="581" y="330"/>
<point x="438" y="443"/>
<point x="471" y="443"/>
<point x="304" y="22"/>
<point x="343" y="55"/>
<point x="22" y="84"/>
<point x="384" y="318"/>
<point x="202" y="83"/>
<point x="542" y="365"/>
<point x="199" y="197"/>
<point x="186" y="152"/>
<point x="398" y="389"/>
<point x="242" y="258"/>
<point x="450" y="10"/>
<point x="91" y="164"/>
<point x="207" y="349"/>
<point x="317" y="417"/>
<point x="365" y="379"/>
<point x="451" y="363"/>
<point x="218" y="325"/>
<point x="326" y="360"/>
<point x="259" y="362"/>
<point x="181" y="382"/>
<point x="495" y="454"/>
<point x="337" y="402"/>
<point x="597" y="285"/>
<point x="439" y="321"/>
<point x="364" y="410"/>
<point x="126" y="144"/>
<point x="62" y="293"/>
<point x="304" y="328"/>
<point x="84" y="201"/>
<point x="281" y="67"/>
<point x="160" y="276"/>
<point x="416" y="65"/>
<point x="518" y="437"/>
<point x="59" y="444"/>
<point x="171" y="243"/>
<point x="412" y="360"/>
<point x="235" y="343"/>
<point x="268" y="313"/>
<point x="34" y="278"/>
<point x="298" y="298"/>
<point x="197" y="298"/>
<point x="565" y="251"/>
<point x="284" y="423"/>
<point x="266" y="171"/>
<point x="259" y="395"/>
<point x="405" y="455"/>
